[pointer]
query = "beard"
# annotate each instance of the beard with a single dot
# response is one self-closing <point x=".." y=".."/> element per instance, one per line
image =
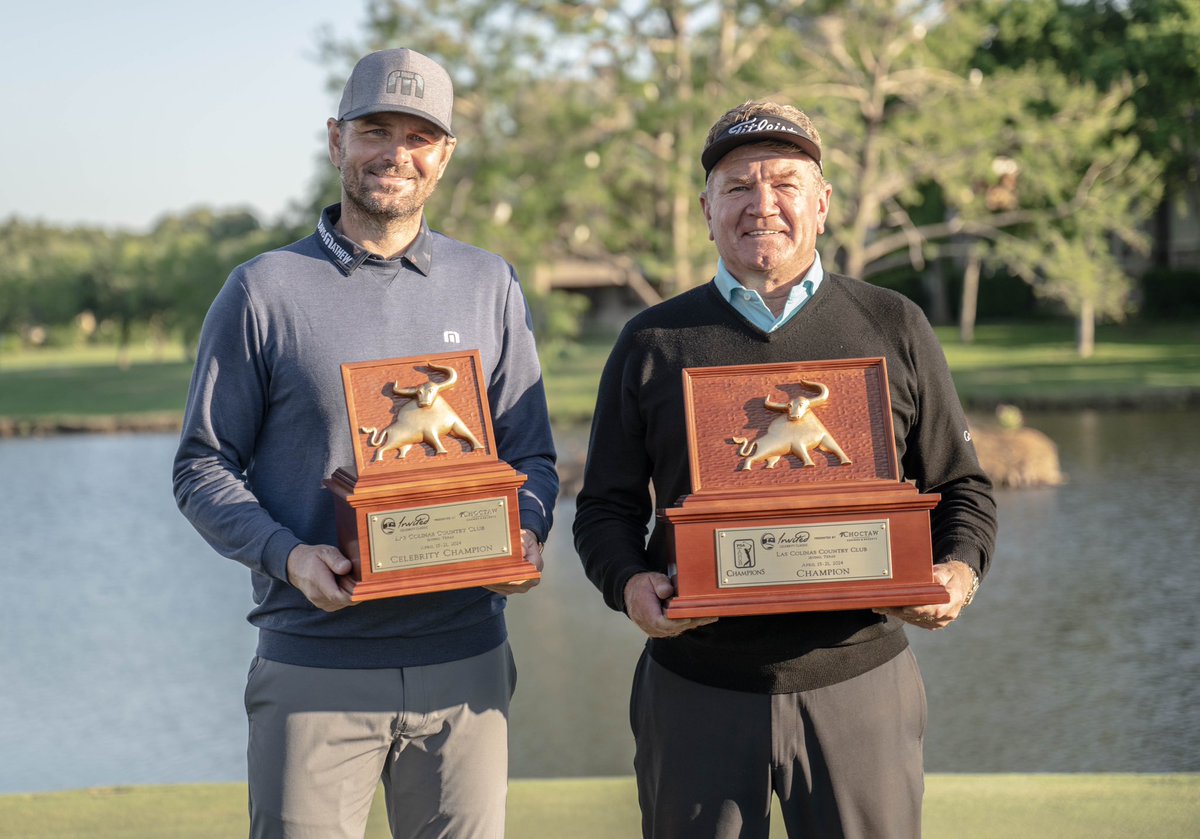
<point x="383" y="205"/>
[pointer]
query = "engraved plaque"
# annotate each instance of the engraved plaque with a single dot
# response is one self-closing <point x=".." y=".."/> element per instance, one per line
<point x="814" y="553"/>
<point x="419" y="537"/>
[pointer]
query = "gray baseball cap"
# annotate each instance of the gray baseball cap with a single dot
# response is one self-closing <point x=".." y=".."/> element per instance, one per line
<point x="401" y="81"/>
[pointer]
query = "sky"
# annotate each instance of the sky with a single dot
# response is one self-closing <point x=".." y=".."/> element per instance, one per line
<point x="115" y="114"/>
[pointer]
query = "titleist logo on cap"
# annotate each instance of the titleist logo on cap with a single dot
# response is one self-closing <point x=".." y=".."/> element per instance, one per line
<point x="752" y="125"/>
<point x="759" y="129"/>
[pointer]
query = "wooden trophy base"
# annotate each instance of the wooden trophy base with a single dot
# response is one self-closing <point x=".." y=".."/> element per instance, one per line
<point x="854" y="546"/>
<point x="456" y="527"/>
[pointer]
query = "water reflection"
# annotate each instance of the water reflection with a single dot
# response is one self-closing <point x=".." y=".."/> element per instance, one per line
<point x="1078" y="655"/>
<point x="125" y="644"/>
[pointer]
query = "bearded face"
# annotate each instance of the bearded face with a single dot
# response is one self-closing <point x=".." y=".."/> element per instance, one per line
<point x="390" y="164"/>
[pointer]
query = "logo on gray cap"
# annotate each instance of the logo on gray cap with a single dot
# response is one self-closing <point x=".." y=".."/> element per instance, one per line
<point x="399" y="81"/>
<point x="411" y="83"/>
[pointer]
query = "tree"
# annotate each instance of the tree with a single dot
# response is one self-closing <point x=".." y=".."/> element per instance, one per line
<point x="929" y="155"/>
<point x="40" y="271"/>
<point x="1107" y="43"/>
<point x="192" y="255"/>
<point x="1084" y="207"/>
<point x="122" y="283"/>
<point x="582" y="123"/>
<point x="579" y="122"/>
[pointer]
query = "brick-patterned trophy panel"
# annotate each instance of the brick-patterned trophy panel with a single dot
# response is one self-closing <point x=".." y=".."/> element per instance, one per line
<point x="770" y="426"/>
<point x="415" y="413"/>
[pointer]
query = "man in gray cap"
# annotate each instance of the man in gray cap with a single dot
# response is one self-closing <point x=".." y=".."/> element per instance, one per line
<point x="825" y="710"/>
<point x="412" y="690"/>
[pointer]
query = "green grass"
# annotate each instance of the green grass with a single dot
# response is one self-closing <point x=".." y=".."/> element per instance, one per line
<point x="1036" y="365"/>
<point x="1032" y="365"/>
<point x="571" y="379"/>
<point x="92" y="387"/>
<point x="976" y="806"/>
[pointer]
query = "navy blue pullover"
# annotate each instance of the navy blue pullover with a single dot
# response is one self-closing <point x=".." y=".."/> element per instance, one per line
<point x="266" y="422"/>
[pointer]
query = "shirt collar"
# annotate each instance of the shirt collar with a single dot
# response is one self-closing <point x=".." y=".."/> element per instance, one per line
<point x="749" y="304"/>
<point x="348" y="255"/>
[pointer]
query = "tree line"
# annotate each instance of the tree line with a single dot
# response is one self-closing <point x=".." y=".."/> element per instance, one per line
<point x="968" y="142"/>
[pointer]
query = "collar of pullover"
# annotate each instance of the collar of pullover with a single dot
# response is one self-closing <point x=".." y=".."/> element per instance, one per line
<point x="348" y="255"/>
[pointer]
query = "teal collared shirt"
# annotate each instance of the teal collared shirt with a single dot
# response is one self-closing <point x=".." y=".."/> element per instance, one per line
<point x="749" y="304"/>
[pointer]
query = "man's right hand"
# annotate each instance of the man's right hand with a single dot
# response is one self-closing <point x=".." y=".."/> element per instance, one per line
<point x="645" y="594"/>
<point x="320" y="572"/>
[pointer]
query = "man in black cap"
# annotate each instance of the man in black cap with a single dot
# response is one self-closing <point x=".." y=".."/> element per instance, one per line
<point x="412" y="690"/>
<point x="826" y="710"/>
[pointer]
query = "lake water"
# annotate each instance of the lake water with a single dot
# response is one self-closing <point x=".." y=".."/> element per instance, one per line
<point x="124" y="646"/>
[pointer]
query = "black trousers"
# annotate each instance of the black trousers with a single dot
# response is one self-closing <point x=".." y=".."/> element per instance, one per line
<point x="845" y="760"/>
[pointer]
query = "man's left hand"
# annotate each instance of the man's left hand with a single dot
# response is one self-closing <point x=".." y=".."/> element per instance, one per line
<point x="957" y="578"/>
<point x="532" y="552"/>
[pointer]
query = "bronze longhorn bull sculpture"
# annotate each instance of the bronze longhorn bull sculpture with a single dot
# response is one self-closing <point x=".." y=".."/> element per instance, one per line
<point x="798" y="433"/>
<point x="423" y="420"/>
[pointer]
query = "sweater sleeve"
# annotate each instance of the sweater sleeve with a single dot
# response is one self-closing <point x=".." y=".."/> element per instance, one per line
<point x="520" y="417"/>
<point x="940" y="457"/>
<point x="225" y="408"/>
<point x="614" y="506"/>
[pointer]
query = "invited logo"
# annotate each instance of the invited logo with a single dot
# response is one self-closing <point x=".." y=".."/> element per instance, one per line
<point x="768" y="541"/>
<point x="390" y="525"/>
<point x="800" y="537"/>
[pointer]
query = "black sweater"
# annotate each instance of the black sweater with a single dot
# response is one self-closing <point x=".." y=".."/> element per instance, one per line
<point x="639" y="447"/>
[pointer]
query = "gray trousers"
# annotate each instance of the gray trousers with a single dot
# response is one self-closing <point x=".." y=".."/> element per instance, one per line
<point x="322" y="739"/>
<point x="844" y="760"/>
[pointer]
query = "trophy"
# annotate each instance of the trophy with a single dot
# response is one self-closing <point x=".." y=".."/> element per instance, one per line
<point x="428" y="505"/>
<point x="796" y="501"/>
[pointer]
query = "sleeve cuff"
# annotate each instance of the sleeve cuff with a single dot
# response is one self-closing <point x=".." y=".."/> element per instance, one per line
<point x="963" y="552"/>
<point x="276" y="552"/>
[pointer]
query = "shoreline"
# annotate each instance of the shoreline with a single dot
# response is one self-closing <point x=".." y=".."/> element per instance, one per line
<point x="979" y="412"/>
<point x="1015" y="457"/>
